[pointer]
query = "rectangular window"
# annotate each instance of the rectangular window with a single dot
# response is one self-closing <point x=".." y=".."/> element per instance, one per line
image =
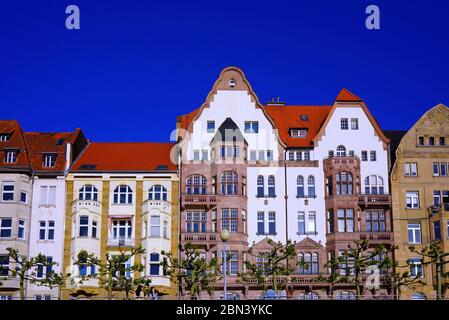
<point x="437" y="230"/>
<point x="442" y="141"/>
<point x="411" y="169"/>
<point x="154" y="264"/>
<point x="331" y="221"/>
<point x="5" y="227"/>
<point x="306" y="155"/>
<point x="301" y="223"/>
<point x="443" y="169"/>
<point x="416" y="267"/>
<point x="49" y="160"/>
<point x="412" y="199"/>
<point x="232" y="263"/>
<point x="414" y="233"/>
<point x="252" y="155"/>
<point x="272" y="223"/>
<point x="354" y="124"/>
<point x="436" y="169"/>
<point x="48" y="195"/>
<point x="375" y="221"/>
<point x="331" y="153"/>
<point x="204" y="155"/>
<point x="165" y="230"/>
<point x="344" y="124"/>
<point x="23" y="197"/>
<point x="364" y="155"/>
<point x="84" y="226"/>
<point x="196" y="155"/>
<point x="94" y="229"/>
<point x="42" y="230"/>
<point x="311" y="223"/>
<point x="21" y="229"/>
<point x="4" y="265"/>
<point x="270" y="155"/>
<point x="260" y="223"/>
<point x="4" y="137"/>
<point x="372" y="156"/>
<point x="51" y="230"/>
<point x="407" y="169"/>
<point x="298" y="132"/>
<point x="8" y="191"/>
<point x="261" y="155"/>
<point x="345" y="220"/>
<point x="210" y="126"/>
<point x="420" y="141"/>
<point x="196" y="221"/>
<point x="291" y="156"/>
<point x="11" y="157"/>
<point x="251" y="127"/>
<point x="155" y="228"/>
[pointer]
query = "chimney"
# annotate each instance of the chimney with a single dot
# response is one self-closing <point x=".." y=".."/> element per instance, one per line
<point x="68" y="156"/>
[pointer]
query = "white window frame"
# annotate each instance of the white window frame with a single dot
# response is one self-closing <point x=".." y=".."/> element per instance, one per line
<point x="344" y="124"/>
<point x="251" y="125"/>
<point x="155" y="225"/>
<point x="49" y="191"/>
<point x="354" y="124"/>
<point x="414" y="200"/>
<point x="210" y="130"/>
<point x="118" y="192"/>
<point x="8" y="184"/>
<point x="21" y="226"/>
<point x="412" y="227"/>
<point x="11" y="157"/>
<point x="6" y="228"/>
<point x="49" y="161"/>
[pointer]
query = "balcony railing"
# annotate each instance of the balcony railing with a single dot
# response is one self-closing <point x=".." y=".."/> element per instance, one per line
<point x="90" y="205"/>
<point x="372" y="237"/>
<point x="374" y="199"/>
<point x="434" y="210"/>
<point x="376" y="236"/>
<point x="199" y="199"/>
<point x="199" y="237"/>
<point x="121" y="242"/>
<point x="164" y="206"/>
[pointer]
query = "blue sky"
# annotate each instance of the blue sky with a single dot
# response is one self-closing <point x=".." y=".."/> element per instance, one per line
<point x="135" y="65"/>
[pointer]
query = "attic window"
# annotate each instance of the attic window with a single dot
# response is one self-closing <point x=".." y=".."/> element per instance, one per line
<point x="231" y="83"/>
<point x="162" y="167"/>
<point x="11" y="156"/>
<point x="60" y="141"/>
<point x="4" y="137"/>
<point x="88" y="166"/>
<point x="298" y="132"/>
<point x="49" y="160"/>
<point x="304" y="117"/>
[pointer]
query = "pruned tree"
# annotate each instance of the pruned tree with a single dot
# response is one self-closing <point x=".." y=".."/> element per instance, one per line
<point x="358" y="258"/>
<point x="25" y="268"/>
<point x="395" y="280"/>
<point x="276" y="263"/>
<point x="334" y="277"/>
<point x="433" y="255"/>
<point x="192" y="273"/>
<point x="114" y="272"/>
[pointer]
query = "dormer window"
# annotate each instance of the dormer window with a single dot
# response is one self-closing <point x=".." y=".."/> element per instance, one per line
<point x="298" y="132"/>
<point x="4" y="137"/>
<point x="49" y="160"/>
<point x="304" y="117"/>
<point x="11" y="156"/>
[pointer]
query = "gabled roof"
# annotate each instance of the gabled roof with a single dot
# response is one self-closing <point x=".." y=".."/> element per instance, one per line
<point x="288" y="117"/>
<point x="395" y="137"/>
<point x="347" y="96"/>
<point x="125" y="157"/>
<point x="17" y="142"/>
<point x="42" y="143"/>
<point x="228" y="131"/>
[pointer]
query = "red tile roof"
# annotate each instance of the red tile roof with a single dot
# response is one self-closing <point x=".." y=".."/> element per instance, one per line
<point x="41" y="143"/>
<point x="346" y="95"/>
<point x="186" y="119"/>
<point x="287" y="117"/>
<point x="125" y="157"/>
<point x="17" y="142"/>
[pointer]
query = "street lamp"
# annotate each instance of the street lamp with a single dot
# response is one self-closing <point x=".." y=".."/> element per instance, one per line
<point x="225" y="235"/>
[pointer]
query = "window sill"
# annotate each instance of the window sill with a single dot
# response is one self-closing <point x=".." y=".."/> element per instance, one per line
<point x="122" y="204"/>
<point x="307" y="234"/>
<point x="306" y="197"/>
<point x="47" y="206"/>
<point x="267" y="197"/>
<point x="266" y="234"/>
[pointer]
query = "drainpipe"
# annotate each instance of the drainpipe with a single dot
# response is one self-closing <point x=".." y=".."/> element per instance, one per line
<point x="179" y="218"/>
<point x="286" y="198"/>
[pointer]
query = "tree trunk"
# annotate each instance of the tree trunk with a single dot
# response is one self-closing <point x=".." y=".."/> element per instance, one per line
<point x="357" y="287"/>
<point x="275" y="287"/>
<point x="438" y="276"/>
<point x="110" y="284"/>
<point x="22" y="288"/>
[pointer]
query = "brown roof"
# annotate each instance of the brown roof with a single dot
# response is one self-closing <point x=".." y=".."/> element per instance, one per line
<point x="346" y="95"/>
<point x="17" y="142"/>
<point x="125" y="157"/>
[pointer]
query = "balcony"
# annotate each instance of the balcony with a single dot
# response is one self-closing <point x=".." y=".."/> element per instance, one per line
<point x="342" y="162"/>
<point x="89" y="205"/>
<point x="199" y="237"/>
<point x="10" y="282"/>
<point x="441" y="209"/>
<point x="161" y="205"/>
<point x="121" y="242"/>
<point x="199" y="199"/>
<point x="350" y="237"/>
<point x="374" y="200"/>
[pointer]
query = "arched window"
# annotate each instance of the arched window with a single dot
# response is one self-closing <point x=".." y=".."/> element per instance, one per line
<point x="341" y="151"/>
<point x="345" y="295"/>
<point x="311" y="186"/>
<point x="300" y="187"/>
<point x="260" y="186"/>
<point x="308" y="296"/>
<point x="307" y="263"/>
<point x="157" y="192"/>
<point x="374" y="185"/>
<point x="229" y="183"/>
<point x="88" y="192"/>
<point x="301" y="262"/>
<point x="123" y="194"/>
<point x="196" y="184"/>
<point x="271" y="187"/>
<point x="343" y="183"/>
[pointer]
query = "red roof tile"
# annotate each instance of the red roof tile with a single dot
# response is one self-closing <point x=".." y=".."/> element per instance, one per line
<point x="288" y="117"/>
<point x="16" y="141"/>
<point x="346" y="95"/>
<point x="125" y="157"/>
<point x="186" y="119"/>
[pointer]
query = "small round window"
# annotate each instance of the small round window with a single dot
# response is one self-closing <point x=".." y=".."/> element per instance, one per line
<point x="232" y="83"/>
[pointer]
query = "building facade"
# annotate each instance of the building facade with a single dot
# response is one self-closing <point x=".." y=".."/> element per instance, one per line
<point x="120" y="196"/>
<point x="420" y="185"/>
<point x="315" y="175"/>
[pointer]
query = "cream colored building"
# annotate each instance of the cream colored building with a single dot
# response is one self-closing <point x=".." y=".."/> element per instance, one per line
<point x="420" y="184"/>
<point x="119" y="196"/>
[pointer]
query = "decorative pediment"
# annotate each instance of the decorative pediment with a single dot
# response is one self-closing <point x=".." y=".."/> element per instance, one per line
<point x="308" y="243"/>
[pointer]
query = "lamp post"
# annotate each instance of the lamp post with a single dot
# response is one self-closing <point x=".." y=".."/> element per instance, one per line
<point x="225" y="235"/>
